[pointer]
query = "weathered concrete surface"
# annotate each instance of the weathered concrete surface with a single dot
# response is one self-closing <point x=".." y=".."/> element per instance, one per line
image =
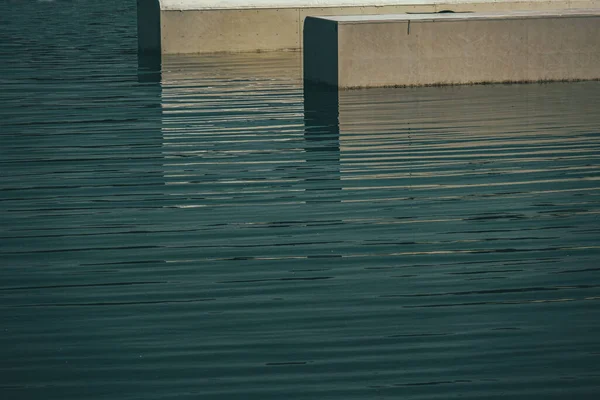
<point x="208" y="26"/>
<point x="229" y="31"/>
<point x="406" y="50"/>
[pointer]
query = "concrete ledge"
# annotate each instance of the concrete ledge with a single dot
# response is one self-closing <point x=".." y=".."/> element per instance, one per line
<point x="442" y="49"/>
<point x="209" y="26"/>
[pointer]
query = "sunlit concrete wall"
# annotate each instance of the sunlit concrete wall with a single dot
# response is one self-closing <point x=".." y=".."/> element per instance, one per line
<point x="207" y="26"/>
<point x="441" y="49"/>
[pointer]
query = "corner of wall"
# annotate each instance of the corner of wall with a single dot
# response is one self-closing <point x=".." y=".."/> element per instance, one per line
<point x="148" y="26"/>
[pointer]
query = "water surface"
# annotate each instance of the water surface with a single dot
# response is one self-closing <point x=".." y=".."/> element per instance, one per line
<point x="218" y="231"/>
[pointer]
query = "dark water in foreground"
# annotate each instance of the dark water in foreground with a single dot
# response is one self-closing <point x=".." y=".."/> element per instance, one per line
<point x="223" y="234"/>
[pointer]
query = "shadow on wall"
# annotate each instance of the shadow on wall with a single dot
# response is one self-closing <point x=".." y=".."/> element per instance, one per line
<point x="148" y="26"/>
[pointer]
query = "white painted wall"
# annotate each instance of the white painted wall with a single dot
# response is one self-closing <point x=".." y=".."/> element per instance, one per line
<point x="236" y="4"/>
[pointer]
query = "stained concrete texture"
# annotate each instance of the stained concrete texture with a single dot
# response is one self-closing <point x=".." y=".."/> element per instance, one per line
<point x="203" y="29"/>
<point x="407" y="50"/>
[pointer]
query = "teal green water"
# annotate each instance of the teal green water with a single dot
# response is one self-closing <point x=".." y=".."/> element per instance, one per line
<point x="220" y="232"/>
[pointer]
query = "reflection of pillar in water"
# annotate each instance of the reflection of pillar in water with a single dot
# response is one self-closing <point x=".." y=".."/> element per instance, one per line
<point x="149" y="67"/>
<point x="322" y="140"/>
<point x="149" y="114"/>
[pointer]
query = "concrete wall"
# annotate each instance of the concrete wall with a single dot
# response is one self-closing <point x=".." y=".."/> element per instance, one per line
<point x="244" y="4"/>
<point x="407" y="50"/>
<point x="207" y="26"/>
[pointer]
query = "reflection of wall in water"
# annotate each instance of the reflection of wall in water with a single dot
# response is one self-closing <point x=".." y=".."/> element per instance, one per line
<point x="233" y="125"/>
<point x="454" y="112"/>
<point x="466" y="137"/>
<point x="433" y="160"/>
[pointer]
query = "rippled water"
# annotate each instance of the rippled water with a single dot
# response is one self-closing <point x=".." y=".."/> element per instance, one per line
<point x="221" y="232"/>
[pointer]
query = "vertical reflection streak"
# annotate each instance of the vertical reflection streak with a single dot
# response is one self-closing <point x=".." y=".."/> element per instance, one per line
<point x="322" y="137"/>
